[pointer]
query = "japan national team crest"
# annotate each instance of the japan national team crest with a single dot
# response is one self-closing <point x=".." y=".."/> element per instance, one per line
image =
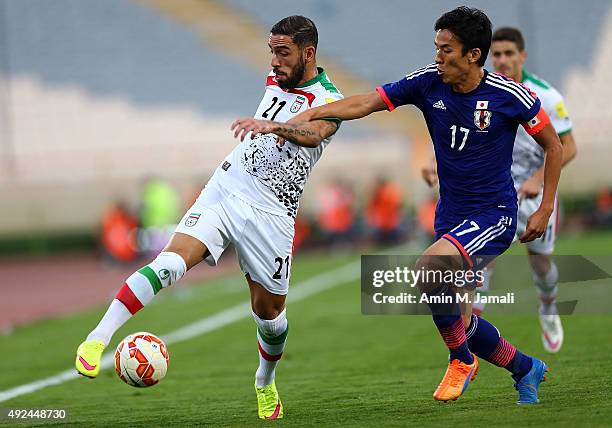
<point x="192" y="219"/>
<point x="297" y="104"/>
<point x="482" y="119"/>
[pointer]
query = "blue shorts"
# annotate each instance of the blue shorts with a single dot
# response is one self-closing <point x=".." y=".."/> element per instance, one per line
<point x="483" y="236"/>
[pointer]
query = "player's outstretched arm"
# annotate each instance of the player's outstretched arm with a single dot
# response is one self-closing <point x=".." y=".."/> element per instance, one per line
<point x="353" y="107"/>
<point x="549" y="140"/>
<point x="308" y="134"/>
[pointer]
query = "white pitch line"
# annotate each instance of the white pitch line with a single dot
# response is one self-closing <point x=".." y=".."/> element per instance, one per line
<point x="300" y="291"/>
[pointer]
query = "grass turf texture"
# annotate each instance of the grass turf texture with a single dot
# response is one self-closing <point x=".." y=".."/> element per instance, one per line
<point x="339" y="368"/>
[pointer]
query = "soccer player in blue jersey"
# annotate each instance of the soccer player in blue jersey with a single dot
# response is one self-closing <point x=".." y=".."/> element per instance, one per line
<point x="472" y="116"/>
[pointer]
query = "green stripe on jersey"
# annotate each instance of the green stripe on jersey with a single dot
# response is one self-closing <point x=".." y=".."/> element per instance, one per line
<point x="317" y="78"/>
<point x="321" y="78"/>
<point x="535" y="79"/>
<point x="152" y="277"/>
<point x="327" y="84"/>
<point x="274" y="340"/>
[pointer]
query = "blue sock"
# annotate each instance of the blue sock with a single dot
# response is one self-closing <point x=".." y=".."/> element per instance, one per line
<point x="447" y="318"/>
<point x="520" y="365"/>
<point x="453" y="333"/>
<point x="485" y="341"/>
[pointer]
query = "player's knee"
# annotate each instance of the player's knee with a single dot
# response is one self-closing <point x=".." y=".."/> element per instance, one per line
<point x="430" y="270"/>
<point x="169" y="267"/>
<point x="272" y="327"/>
<point x="541" y="264"/>
<point x="266" y="309"/>
<point x="549" y="276"/>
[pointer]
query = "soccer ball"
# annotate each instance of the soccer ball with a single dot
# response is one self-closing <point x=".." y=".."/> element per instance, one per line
<point x="141" y="359"/>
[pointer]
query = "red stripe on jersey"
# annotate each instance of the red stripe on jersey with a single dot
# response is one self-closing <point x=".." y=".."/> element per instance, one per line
<point x="271" y="81"/>
<point x="310" y="97"/>
<point x="541" y="120"/>
<point x="385" y="98"/>
<point x="129" y="299"/>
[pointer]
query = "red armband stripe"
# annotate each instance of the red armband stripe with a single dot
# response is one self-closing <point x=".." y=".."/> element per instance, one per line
<point x="538" y="123"/>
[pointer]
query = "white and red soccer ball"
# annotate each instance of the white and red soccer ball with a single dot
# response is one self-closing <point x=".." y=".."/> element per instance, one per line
<point x="141" y="359"/>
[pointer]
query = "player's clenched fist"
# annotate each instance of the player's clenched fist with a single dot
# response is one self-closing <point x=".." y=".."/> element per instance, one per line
<point x="243" y="126"/>
<point x="536" y="225"/>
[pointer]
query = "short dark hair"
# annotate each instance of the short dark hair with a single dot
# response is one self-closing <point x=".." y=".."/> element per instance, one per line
<point x="510" y="34"/>
<point x="471" y="26"/>
<point x="302" y="30"/>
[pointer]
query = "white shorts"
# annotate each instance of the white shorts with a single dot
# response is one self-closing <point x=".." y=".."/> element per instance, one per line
<point x="546" y="243"/>
<point x="263" y="241"/>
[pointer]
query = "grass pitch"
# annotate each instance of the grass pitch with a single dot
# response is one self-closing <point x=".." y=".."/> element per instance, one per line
<point x="340" y="368"/>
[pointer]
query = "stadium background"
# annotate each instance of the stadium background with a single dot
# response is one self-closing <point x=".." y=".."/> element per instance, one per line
<point x="97" y="97"/>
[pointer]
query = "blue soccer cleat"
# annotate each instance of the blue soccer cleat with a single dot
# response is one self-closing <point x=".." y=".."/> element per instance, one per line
<point x="529" y="384"/>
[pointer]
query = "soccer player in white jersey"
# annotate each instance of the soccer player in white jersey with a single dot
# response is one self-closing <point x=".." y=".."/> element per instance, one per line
<point x="508" y="56"/>
<point x="251" y="201"/>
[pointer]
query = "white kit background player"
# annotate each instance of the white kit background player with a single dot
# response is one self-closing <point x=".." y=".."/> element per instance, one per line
<point x="251" y="201"/>
<point x="508" y="56"/>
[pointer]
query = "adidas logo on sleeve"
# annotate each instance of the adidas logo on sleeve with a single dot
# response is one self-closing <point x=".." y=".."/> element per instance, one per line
<point x="439" y="104"/>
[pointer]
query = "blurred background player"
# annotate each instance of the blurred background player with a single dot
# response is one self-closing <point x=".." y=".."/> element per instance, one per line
<point x="251" y="201"/>
<point x="472" y="117"/>
<point x="384" y="211"/>
<point x="336" y="213"/>
<point x="118" y="234"/>
<point x="159" y="212"/>
<point x="508" y="56"/>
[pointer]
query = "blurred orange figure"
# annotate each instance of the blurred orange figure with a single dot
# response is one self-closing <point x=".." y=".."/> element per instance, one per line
<point x="384" y="211"/>
<point x="118" y="233"/>
<point x="427" y="215"/>
<point x="336" y="210"/>
<point x="302" y="232"/>
<point x="604" y="201"/>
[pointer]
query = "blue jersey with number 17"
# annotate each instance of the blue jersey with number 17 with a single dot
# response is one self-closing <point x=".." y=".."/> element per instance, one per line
<point x="473" y="134"/>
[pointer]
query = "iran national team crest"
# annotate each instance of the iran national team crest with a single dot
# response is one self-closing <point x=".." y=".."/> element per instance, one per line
<point x="297" y="104"/>
<point x="192" y="219"/>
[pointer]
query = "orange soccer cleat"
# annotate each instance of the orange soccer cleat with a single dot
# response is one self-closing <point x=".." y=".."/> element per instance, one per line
<point x="456" y="380"/>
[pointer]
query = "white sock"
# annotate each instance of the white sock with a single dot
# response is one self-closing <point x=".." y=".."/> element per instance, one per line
<point x="271" y="337"/>
<point x="138" y="291"/>
<point x="115" y="316"/>
<point x="547" y="289"/>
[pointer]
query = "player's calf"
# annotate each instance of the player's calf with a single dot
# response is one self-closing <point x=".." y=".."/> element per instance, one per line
<point x="271" y="340"/>
<point x="138" y="291"/>
<point x="446" y="312"/>
<point x="546" y="283"/>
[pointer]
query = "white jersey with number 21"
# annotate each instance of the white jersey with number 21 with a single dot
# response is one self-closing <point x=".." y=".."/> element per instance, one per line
<point x="261" y="172"/>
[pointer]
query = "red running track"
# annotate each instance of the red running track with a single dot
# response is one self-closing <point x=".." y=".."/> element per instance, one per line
<point x="36" y="288"/>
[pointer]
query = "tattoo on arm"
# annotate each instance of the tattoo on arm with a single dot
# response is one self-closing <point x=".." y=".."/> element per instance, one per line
<point x="296" y="131"/>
